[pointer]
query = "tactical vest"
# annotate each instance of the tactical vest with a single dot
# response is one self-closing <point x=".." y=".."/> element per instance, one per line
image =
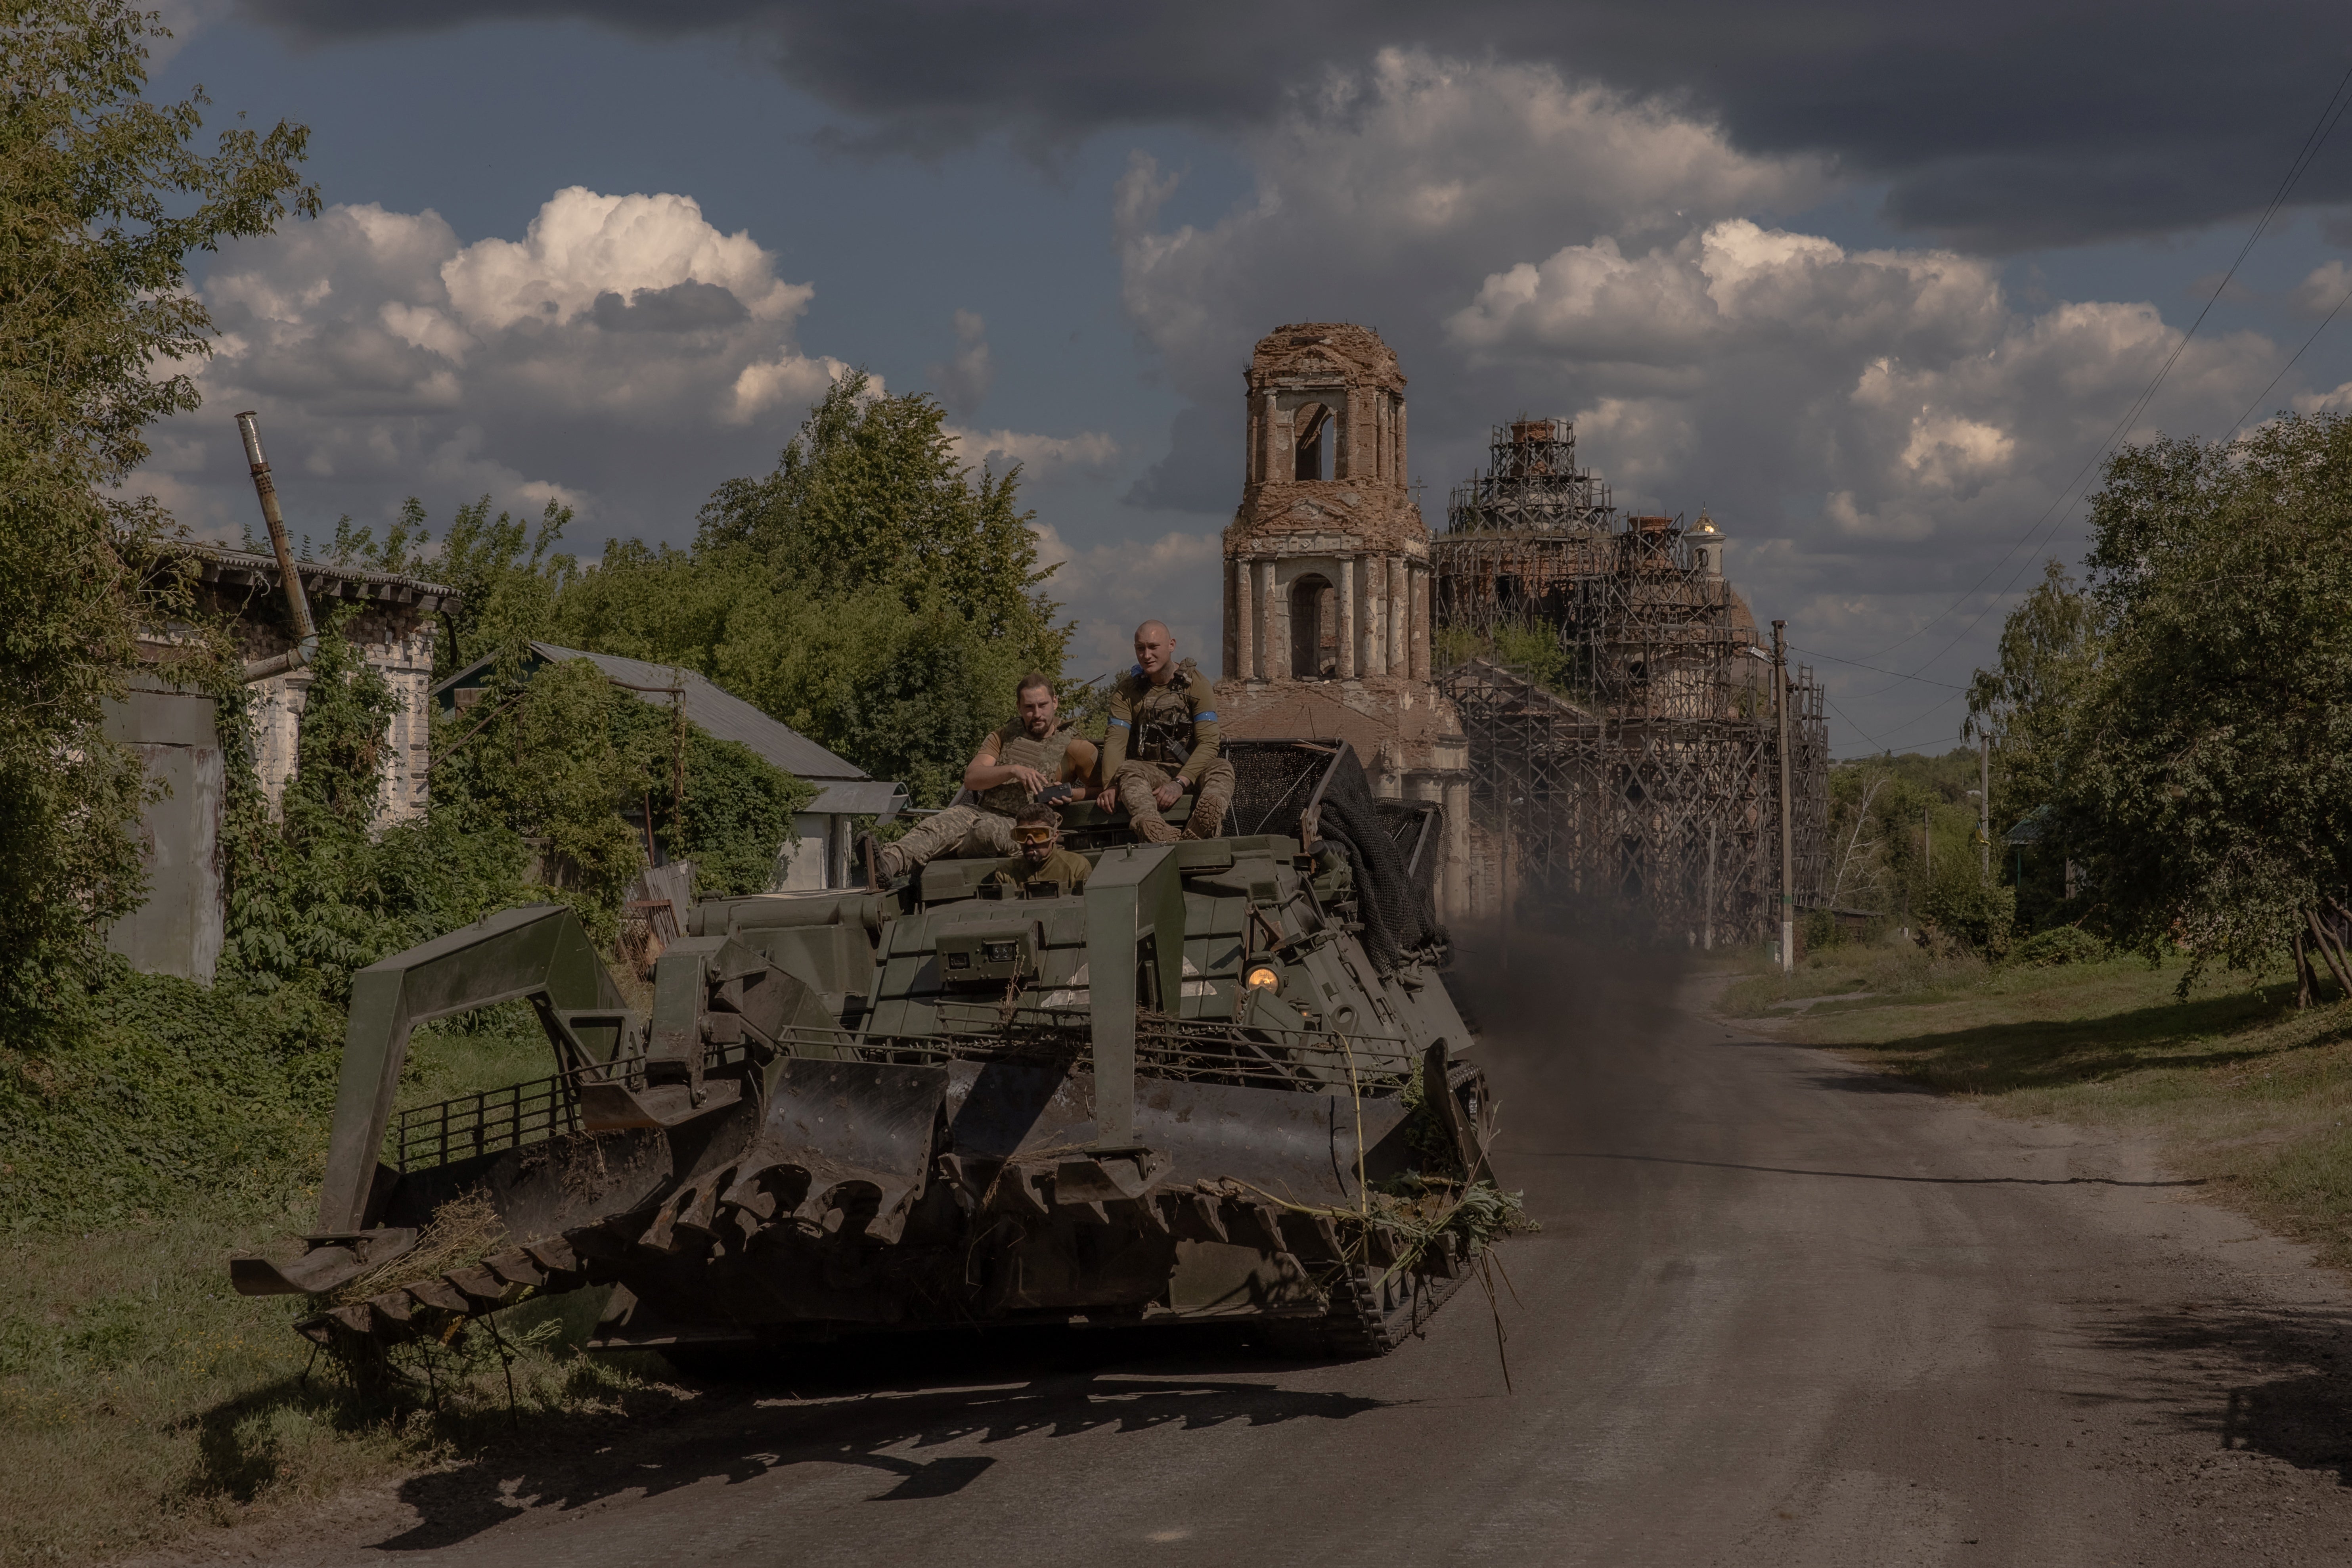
<point x="1162" y="717"/>
<point x="1015" y="749"/>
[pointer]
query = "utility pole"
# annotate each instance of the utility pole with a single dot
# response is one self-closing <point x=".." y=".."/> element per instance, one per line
<point x="1788" y="849"/>
<point x="1710" y="888"/>
<point x="1984" y="802"/>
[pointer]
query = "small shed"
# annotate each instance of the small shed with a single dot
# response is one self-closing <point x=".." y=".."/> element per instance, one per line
<point x="393" y="632"/>
<point x="819" y="857"/>
<point x="173" y="730"/>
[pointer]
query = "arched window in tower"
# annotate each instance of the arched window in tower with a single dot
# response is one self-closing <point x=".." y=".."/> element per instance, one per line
<point x="1313" y="628"/>
<point x="1311" y="432"/>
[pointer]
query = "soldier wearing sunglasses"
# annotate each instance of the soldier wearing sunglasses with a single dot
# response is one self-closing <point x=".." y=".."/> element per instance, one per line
<point x="1037" y="844"/>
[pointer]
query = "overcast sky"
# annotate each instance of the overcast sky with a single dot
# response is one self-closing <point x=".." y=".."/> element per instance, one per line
<point x="1871" y="284"/>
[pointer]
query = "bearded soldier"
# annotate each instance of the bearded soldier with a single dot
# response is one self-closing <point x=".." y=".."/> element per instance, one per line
<point x="1013" y="767"/>
<point x="1164" y="743"/>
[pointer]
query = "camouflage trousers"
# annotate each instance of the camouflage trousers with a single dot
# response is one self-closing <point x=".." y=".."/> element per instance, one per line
<point x="959" y="831"/>
<point x="1211" y="794"/>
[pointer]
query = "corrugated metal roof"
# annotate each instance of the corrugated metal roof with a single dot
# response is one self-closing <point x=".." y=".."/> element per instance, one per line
<point x="724" y="716"/>
<point x="217" y="563"/>
<point x="2033" y="827"/>
<point x="858" y="797"/>
<point x="717" y="713"/>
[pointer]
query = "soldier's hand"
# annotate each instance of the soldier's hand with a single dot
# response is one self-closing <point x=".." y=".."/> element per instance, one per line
<point x="1108" y="799"/>
<point x="1028" y="778"/>
<point x="1167" y="795"/>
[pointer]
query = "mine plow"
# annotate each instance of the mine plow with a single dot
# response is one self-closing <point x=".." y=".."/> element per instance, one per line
<point x="1224" y="1081"/>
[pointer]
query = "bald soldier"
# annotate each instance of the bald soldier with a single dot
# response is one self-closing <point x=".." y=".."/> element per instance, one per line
<point x="1162" y="744"/>
<point x="1015" y="765"/>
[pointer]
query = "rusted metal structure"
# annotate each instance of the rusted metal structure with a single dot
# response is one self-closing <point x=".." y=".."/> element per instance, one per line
<point x="1193" y="1090"/>
<point x="1639" y="767"/>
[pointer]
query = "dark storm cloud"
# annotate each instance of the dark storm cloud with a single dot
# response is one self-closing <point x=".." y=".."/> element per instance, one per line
<point x="1998" y="126"/>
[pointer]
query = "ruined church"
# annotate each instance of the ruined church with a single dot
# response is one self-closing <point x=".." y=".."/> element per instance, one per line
<point x="1327" y="584"/>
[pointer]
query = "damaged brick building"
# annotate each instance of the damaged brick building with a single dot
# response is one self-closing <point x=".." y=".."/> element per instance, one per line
<point x="1638" y="772"/>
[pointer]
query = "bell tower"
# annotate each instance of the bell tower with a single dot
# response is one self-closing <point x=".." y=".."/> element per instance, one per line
<point x="1326" y="626"/>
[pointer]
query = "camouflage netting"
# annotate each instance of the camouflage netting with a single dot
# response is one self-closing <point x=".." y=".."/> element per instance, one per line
<point x="1275" y="782"/>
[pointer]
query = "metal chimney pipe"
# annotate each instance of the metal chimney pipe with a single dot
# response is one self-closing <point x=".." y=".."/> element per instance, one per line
<point x="298" y="604"/>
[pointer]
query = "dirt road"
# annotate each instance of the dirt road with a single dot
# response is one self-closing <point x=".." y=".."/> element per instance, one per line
<point x="1782" y="1312"/>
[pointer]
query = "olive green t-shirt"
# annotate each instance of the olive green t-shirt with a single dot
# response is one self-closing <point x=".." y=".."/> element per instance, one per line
<point x="1065" y="867"/>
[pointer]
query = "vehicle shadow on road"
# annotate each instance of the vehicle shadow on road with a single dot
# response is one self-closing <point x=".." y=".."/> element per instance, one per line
<point x="2289" y="1377"/>
<point x="872" y="1405"/>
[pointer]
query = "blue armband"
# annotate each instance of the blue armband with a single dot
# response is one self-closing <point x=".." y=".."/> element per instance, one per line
<point x="1205" y="717"/>
<point x="1122" y="724"/>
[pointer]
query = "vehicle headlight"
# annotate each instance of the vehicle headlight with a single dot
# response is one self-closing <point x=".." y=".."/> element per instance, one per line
<point x="1266" y="978"/>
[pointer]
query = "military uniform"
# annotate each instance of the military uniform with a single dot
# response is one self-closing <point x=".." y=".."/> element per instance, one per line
<point x="985" y="828"/>
<point x="1067" y="869"/>
<point x="1164" y="732"/>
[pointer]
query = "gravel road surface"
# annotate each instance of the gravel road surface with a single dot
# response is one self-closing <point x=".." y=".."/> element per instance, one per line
<point x="1781" y="1311"/>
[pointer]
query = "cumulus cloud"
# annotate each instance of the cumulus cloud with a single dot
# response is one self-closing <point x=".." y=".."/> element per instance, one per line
<point x="583" y="248"/>
<point x="1110" y="589"/>
<point x="964" y="379"/>
<point x="619" y="356"/>
<point x="1040" y="457"/>
<point x="1875" y="427"/>
<point x="1902" y="391"/>
<point x="2322" y="291"/>
<point x="1380" y="192"/>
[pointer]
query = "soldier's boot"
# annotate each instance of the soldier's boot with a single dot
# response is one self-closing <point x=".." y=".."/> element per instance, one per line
<point x="1209" y="798"/>
<point x="884" y="862"/>
<point x="1142" y="811"/>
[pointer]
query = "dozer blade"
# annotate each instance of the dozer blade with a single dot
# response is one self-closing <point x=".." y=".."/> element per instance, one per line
<point x="863" y="1132"/>
<point x="323" y="1268"/>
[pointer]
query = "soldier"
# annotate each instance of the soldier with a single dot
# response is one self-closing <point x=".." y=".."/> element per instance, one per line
<point x="1163" y="742"/>
<point x="1037" y="832"/>
<point x="1014" y="765"/>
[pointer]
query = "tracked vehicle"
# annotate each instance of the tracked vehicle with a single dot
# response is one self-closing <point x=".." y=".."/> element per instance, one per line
<point x="1225" y="1081"/>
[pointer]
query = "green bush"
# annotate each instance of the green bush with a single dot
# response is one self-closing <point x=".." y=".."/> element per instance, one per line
<point x="1962" y="905"/>
<point x="156" y="1093"/>
<point x="2059" y="944"/>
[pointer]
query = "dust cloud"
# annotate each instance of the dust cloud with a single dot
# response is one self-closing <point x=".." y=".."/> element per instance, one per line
<point x="1574" y="1022"/>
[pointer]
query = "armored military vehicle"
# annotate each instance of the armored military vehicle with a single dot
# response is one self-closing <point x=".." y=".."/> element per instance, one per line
<point x="1223" y="1080"/>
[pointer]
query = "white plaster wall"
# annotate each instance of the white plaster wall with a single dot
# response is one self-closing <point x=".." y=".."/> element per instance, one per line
<point x="802" y="867"/>
<point x="398" y="643"/>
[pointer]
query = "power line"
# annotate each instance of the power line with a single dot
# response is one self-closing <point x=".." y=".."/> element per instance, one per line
<point x="2330" y="115"/>
<point x="1849" y="719"/>
<point x="1812" y="653"/>
<point x="1915" y="721"/>
<point x="2290" y="365"/>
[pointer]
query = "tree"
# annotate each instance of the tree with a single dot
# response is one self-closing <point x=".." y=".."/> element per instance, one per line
<point x="2201" y="750"/>
<point x="103" y="197"/>
<point x="869" y="494"/>
<point x="2028" y="703"/>
<point x="869" y="592"/>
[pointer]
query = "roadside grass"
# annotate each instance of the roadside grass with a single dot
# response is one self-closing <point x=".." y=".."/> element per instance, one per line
<point x="1886" y="971"/>
<point x="141" y="1399"/>
<point x="2234" y="1083"/>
